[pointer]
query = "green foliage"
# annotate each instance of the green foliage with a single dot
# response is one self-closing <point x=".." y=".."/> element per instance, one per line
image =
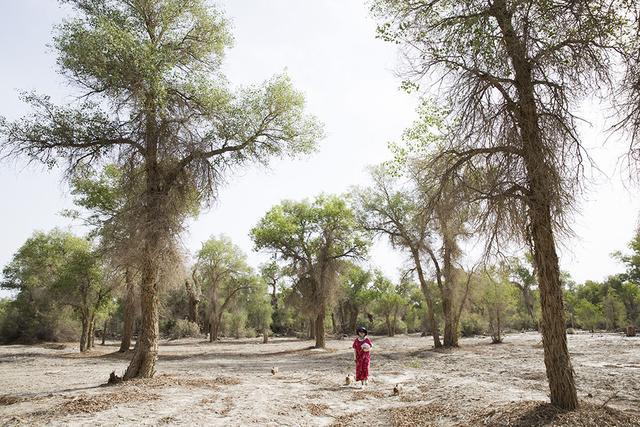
<point x="588" y="315"/>
<point x="613" y="310"/>
<point x="390" y="303"/>
<point x="313" y="239"/>
<point x="472" y="324"/>
<point x="298" y="231"/>
<point x="498" y="299"/>
<point x="182" y="328"/>
<point x="237" y="300"/>
<point x="53" y="273"/>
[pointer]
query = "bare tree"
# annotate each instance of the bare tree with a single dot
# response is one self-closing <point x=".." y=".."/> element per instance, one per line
<point x="511" y="72"/>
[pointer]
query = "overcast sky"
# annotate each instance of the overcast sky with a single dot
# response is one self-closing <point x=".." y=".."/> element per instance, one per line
<point x="329" y="50"/>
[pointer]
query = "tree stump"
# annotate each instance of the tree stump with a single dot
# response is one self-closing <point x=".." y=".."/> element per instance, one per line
<point x="631" y="331"/>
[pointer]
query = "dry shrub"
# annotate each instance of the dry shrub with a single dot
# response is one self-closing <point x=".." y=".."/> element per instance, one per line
<point x="317" y="410"/>
<point x="347" y="420"/>
<point x="162" y="381"/>
<point x="90" y="404"/>
<point x="7" y="399"/>
<point x="184" y="329"/>
<point x="538" y="414"/>
<point x="365" y="394"/>
<point x="210" y="400"/>
<point x="425" y="415"/>
<point x="53" y="346"/>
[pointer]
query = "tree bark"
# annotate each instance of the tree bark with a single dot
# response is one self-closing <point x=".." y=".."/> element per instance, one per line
<point x="334" y="328"/>
<point x="91" y="332"/>
<point x="104" y="331"/>
<point x="146" y="353"/>
<point x="84" y="334"/>
<point x="435" y="333"/>
<point x="319" y="330"/>
<point x="312" y="329"/>
<point x="129" y="312"/>
<point x="214" y="328"/>
<point x="554" y="339"/>
<point x="193" y="301"/>
<point x="450" y="333"/>
<point x="387" y="320"/>
<point x="353" y="319"/>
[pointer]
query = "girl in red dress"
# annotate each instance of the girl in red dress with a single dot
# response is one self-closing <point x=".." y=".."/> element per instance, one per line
<point x="362" y="354"/>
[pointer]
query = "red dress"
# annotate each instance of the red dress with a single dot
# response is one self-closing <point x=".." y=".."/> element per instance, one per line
<point x="363" y="358"/>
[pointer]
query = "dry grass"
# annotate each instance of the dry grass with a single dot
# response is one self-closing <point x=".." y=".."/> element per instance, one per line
<point x="8" y="399"/>
<point x="317" y="409"/>
<point x="368" y="394"/>
<point x="425" y="415"/>
<point x="539" y="414"/>
<point x="162" y="381"/>
<point x="90" y="404"/>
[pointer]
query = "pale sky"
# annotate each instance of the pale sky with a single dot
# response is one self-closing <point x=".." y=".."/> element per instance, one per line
<point x="329" y="50"/>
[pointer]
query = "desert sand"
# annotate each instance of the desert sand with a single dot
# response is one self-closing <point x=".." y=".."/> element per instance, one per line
<point x="230" y="383"/>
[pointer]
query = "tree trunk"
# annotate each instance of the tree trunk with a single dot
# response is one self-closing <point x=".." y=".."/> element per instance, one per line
<point x="450" y="334"/>
<point x="265" y="335"/>
<point x="84" y="334"/>
<point x="554" y="338"/>
<point x="320" y="342"/>
<point x="274" y="296"/>
<point x="539" y="175"/>
<point x="389" y="329"/>
<point x="215" y="314"/>
<point x="214" y="328"/>
<point x="193" y="301"/>
<point x="312" y="329"/>
<point x="334" y="328"/>
<point x="144" y="359"/>
<point x="104" y="331"/>
<point x="353" y="319"/>
<point x="129" y="312"/>
<point x="428" y="298"/>
<point x="395" y="322"/>
<point x="91" y="332"/>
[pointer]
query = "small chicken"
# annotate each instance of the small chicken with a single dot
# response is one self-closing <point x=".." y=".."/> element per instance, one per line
<point x="348" y="380"/>
<point x="274" y="370"/>
<point x="396" y="390"/>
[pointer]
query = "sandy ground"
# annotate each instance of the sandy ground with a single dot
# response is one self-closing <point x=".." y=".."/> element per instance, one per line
<point x="230" y="383"/>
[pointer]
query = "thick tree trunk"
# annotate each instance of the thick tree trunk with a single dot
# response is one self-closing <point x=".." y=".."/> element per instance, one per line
<point x="389" y="327"/>
<point x="146" y="353"/>
<point x="450" y="333"/>
<point x="265" y="335"/>
<point x="319" y="323"/>
<point x="353" y="319"/>
<point x="554" y="339"/>
<point x="312" y="329"/>
<point x="84" y="334"/>
<point x="129" y="312"/>
<point x="334" y="327"/>
<point x="193" y="301"/>
<point x="435" y="333"/>
<point x="214" y="328"/>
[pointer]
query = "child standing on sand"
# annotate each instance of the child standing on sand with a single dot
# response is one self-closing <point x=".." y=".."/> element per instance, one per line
<point x="362" y="355"/>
